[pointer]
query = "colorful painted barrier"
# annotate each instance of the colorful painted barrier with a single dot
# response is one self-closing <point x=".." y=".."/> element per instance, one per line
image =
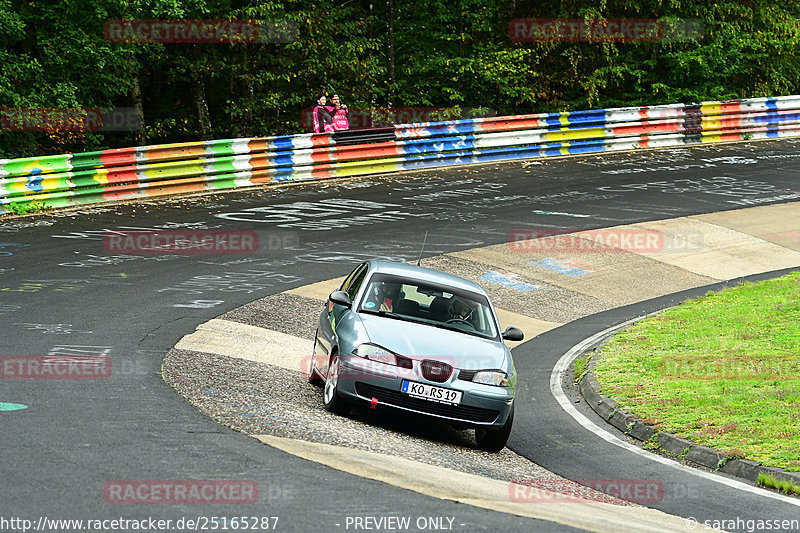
<point x="127" y="173"/>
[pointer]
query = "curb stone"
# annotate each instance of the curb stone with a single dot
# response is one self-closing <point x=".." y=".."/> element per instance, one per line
<point x="743" y="468"/>
<point x="677" y="446"/>
<point x="633" y="426"/>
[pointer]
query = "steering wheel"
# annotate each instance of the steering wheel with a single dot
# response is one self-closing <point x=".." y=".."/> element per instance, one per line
<point x="467" y="322"/>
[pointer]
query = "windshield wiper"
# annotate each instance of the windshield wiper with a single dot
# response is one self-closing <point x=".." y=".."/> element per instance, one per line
<point x="474" y="332"/>
<point x="442" y="325"/>
<point x="388" y="314"/>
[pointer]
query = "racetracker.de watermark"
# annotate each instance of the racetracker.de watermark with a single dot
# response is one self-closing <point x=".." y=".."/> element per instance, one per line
<point x="200" y="31"/>
<point x="589" y="241"/>
<point x="181" y="242"/>
<point x="605" y="30"/>
<point x="180" y="492"/>
<point x="54" y="367"/>
<point x="605" y="490"/>
<point x="51" y="119"/>
<point x="713" y="368"/>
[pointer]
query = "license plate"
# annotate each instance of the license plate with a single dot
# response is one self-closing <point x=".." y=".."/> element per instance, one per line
<point x="431" y="393"/>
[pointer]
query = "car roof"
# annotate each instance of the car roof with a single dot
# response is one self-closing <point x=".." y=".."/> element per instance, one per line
<point x="424" y="274"/>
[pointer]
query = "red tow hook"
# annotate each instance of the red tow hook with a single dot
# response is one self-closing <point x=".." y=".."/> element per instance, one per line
<point x="373" y="404"/>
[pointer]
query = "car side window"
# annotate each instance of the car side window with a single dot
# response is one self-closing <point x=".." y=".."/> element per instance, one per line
<point x="356" y="283"/>
<point x="348" y="281"/>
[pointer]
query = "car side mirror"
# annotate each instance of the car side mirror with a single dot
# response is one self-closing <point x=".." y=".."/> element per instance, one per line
<point x="341" y="298"/>
<point x="513" y="334"/>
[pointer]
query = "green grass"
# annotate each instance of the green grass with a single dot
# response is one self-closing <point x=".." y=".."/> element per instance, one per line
<point x="580" y="366"/>
<point x="783" y="485"/>
<point x="722" y="370"/>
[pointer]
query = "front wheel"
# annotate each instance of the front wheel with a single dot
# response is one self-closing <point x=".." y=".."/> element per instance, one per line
<point x="494" y="440"/>
<point x="331" y="399"/>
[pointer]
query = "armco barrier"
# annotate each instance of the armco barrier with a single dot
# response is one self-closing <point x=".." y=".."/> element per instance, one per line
<point x="127" y="173"/>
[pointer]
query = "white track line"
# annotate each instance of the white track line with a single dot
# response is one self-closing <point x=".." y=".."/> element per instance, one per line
<point x="558" y="392"/>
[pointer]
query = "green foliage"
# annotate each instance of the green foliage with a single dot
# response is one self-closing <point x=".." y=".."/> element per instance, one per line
<point x="25" y="208"/>
<point x="453" y="55"/>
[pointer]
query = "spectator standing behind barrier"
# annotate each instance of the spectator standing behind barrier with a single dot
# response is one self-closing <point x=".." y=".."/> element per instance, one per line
<point x="323" y="121"/>
<point x="340" y="118"/>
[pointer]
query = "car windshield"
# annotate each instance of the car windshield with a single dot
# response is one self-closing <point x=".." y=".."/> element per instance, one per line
<point x="435" y="305"/>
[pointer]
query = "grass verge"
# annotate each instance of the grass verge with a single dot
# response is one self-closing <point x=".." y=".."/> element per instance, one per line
<point x="722" y="370"/>
<point x="580" y="366"/>
<point x="782" y="485"/>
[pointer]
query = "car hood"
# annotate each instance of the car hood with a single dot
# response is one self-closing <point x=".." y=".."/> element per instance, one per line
<point x="420" y="341"/>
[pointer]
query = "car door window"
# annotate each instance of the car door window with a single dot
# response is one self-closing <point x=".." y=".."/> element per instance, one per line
<point x="348" y="281"/>
<point x="356" y="283"/>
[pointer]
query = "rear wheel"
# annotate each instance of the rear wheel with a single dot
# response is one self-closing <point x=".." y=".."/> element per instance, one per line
<point x="331" y="399"/>
<point x="494" y="440"/>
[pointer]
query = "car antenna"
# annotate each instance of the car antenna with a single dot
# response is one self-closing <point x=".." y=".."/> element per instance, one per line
<point x="423" y="247"/>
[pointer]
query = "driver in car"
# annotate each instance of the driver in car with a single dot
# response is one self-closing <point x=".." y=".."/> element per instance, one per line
<point x="383" y="295"/>
<point x="459" y="310"/>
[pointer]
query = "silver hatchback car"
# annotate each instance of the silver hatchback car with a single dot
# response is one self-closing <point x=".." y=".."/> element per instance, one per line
<point x="419" y="340"/>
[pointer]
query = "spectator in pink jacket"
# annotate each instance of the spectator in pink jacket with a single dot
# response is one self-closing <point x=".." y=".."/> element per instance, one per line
<point x="340" y="118"/>
<point x="323" y="120"/>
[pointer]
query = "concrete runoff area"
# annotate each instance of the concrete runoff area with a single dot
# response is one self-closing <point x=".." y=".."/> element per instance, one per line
<point x="233" y="339"/>
<point x="718" y="252"/>
<point x="778" y="224"/>
<point x="615" y="278"/>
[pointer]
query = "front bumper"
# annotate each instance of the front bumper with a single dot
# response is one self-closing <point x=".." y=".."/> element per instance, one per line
<point x="485" y="406"/>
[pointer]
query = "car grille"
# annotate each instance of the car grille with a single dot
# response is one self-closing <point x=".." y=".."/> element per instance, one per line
<point x="398" y="399"/>
<point x="436" y="371"/>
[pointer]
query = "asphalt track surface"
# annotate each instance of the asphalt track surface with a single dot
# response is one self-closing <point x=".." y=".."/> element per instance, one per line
<point x="62" y="293"/>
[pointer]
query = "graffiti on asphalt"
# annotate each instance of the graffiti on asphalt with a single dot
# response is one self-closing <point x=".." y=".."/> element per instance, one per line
<point x="323" y="215"/>
<point x="53" y="329"/>
<point x="68" y="285"/>
<point x="344" y="257"/>
<point x="249" y="282"/>
<point x="6" y="247"/>
<point x="509" y="280"/>
<point x="567" y="267"/>
<point x="721" y="185"/>
<point x="15" y="226"/>
<point x="200" y="304"/>
<point x="99" y="234"/>
<point x="91" y="261"/>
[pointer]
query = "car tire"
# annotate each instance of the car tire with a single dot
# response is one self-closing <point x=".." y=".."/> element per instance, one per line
<point x="331" y="399"/>
<point x="494" y="440"/>
<point x="313" y="377"/>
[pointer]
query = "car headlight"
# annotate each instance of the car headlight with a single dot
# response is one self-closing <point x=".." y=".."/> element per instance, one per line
<point x="373" y="352"/>
<point x="491" y="377"/>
